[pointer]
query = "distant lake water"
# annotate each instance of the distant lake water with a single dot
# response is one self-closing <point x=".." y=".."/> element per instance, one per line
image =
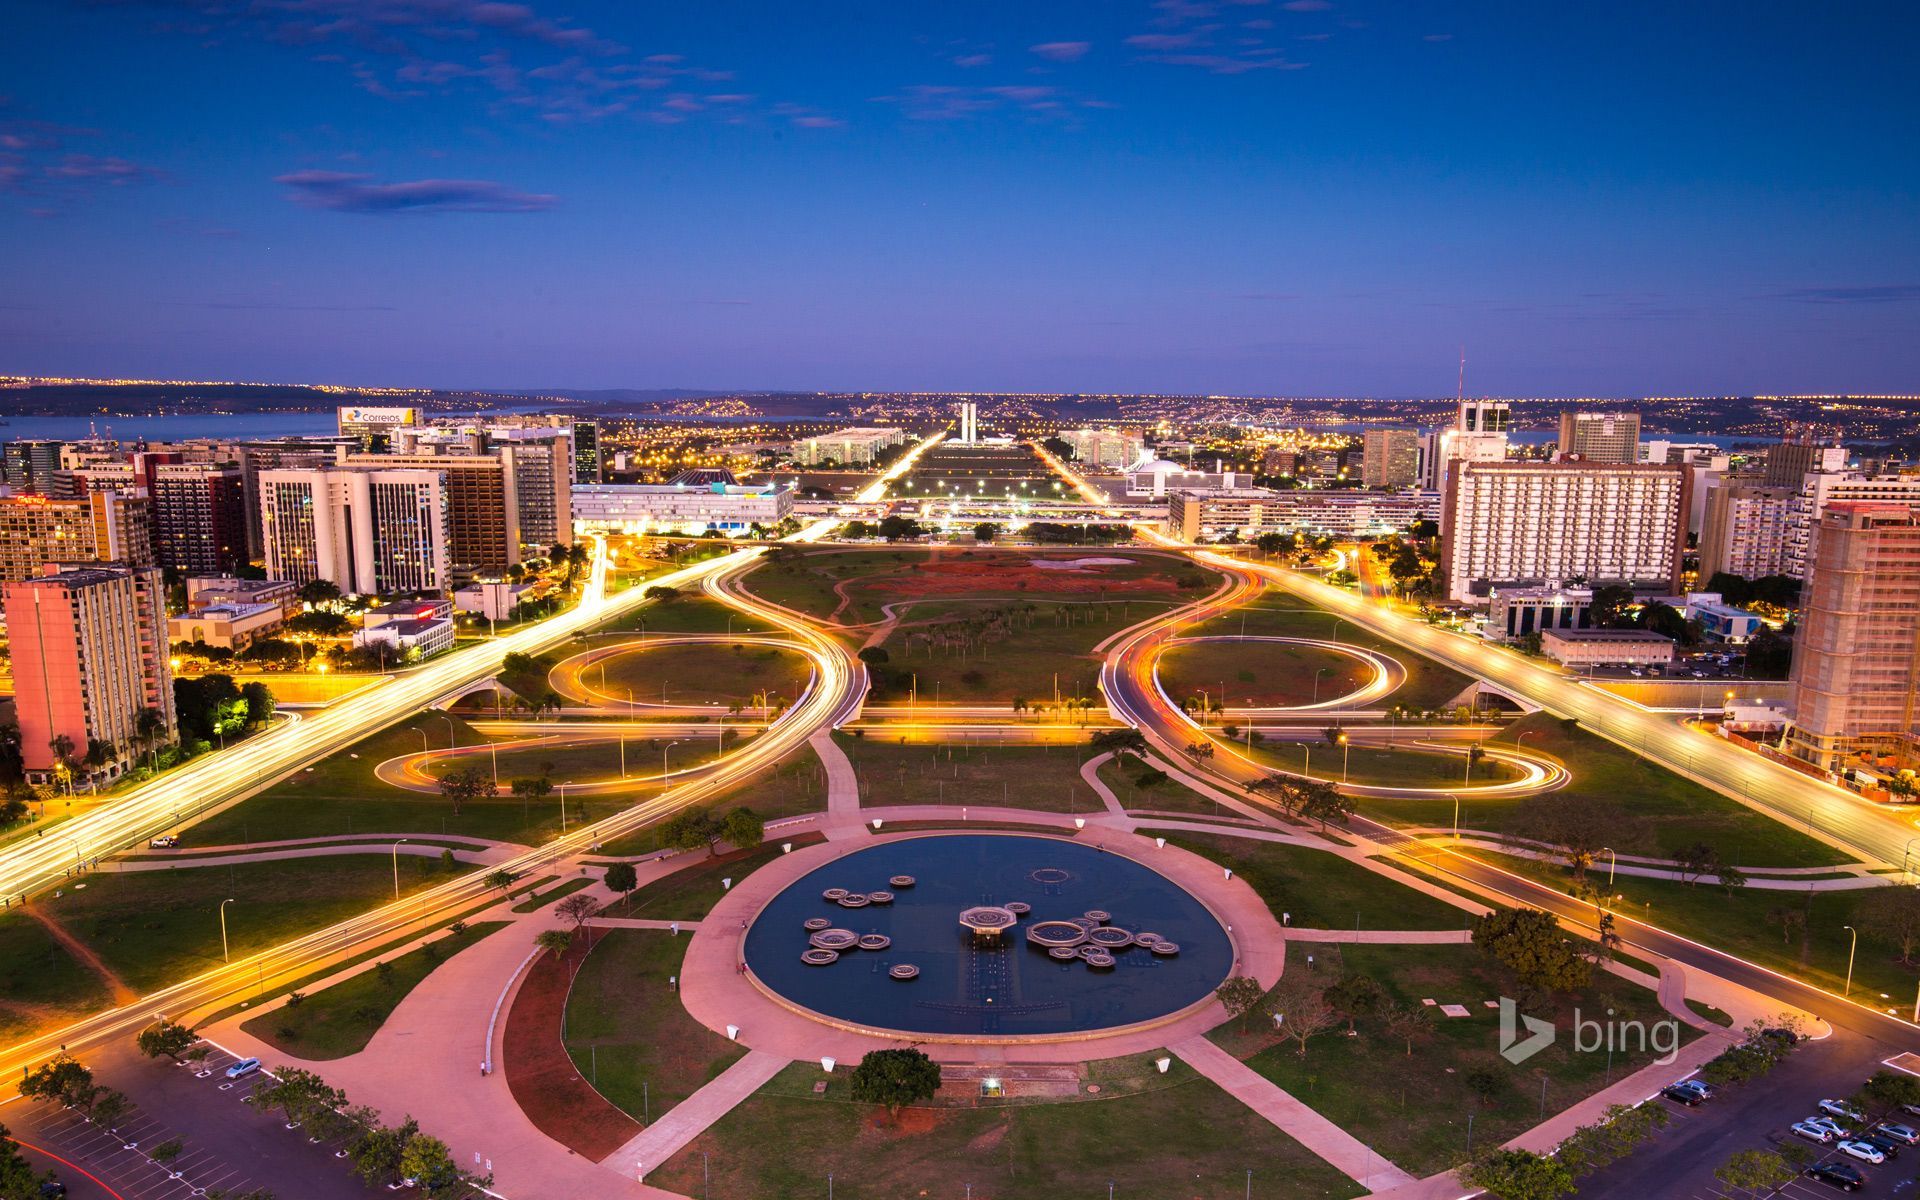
<point x="180" y="427"/>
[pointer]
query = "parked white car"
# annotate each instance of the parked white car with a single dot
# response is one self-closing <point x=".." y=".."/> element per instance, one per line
<point x="1864" y="1151"/>
<point x="1812" y="1132"/>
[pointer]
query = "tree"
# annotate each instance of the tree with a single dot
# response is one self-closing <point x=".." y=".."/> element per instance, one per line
<point x="897" y="528"/>
<point x="985" y="531"/>
<point x="319" y="623"/>
<point x="622" y="878"/>
<point x="662" y="593"/>
<point x="1693" y="861"/>
<point x="320" y="593"/>
<point x="1302" y="1011"/>
<point x="260" y="702"/>
<point x="743" y="829"/>
<point x="1356" y="996"/>
<point x="689" y="829"/>
<point x="577" y="908"/>
<point x="1608" y="609"/>
<point x="1520" y="1175"/>
<point x="296" y="1093"/>
<point x="62" y="1080"/>
<point x="18" y="1180"/>
<point x="1790" y="920"/>
<point x="1322" y="801"/>
<point x="466" y="784"/>
<point x="1528" y="942"/>
<point x="427" y="1161"/>
<point x="874" y="656"/>
<point x="377" y="1152"/>
<point x="1408" y="1022"/>
<point x="109" y="1107"/>
<point x="1756" y="1170"/>
<point x="1769" y="654"/>
<point x="1891" y="915"/>
<point x="499" y="880"/>
<point x="1119" y="743"/>
<point x="895" y="1078"/>
<point x="1240" y="995"/>
<point x="1886" y="1091"/>
<point x="1579" y="827"/>
<point x="556" y="941"/>
<point x="166" y="1039"/>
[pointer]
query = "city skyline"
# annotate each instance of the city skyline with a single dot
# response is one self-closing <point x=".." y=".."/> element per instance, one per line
<point x="1267" y="199"/>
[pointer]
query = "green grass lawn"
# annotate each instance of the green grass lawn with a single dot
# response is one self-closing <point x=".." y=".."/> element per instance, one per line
<point x="40" y="983"/>
<point x="625" y="1026"/>
<point x="1186" y="1139"/>
<point x="340" y="1020"/>
<point x="1673" y="811"/>
<point x="1168" y="797"/>
<point x="537" y="899"/>
<point x="701" y="675"/>
<point x="1054" y="655"/>
<point x="1379" y="765"/>
<point x="1320" y="889"/>
<point x="1258" y="673"/>
<point x="691" y="612"/>
<point x="795" y="786"/>
<point x="153" y="928"/>
<point x="691" y="892"/>
<point x="1045" y="777"/>
<point x="1749" y="923"/>
<point x="1429" y="685"/>
<point x="1414" y="1108"/>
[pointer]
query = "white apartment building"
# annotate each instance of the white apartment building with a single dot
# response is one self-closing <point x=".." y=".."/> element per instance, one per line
<point x="1818" y="489"/>
<point x="1748" y="529"/>
<point x="1608" y="437"/>
<point x="848" y="447"/>
<point x="1109" y="449"/>
<point x="367" y="530"/>
<point x="1521" y="522"/>
<point x="679" y="508"/>
<point x="1390" y="457"/>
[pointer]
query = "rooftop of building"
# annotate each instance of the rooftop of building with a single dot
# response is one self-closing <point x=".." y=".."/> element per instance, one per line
<point x="417" y="608"/>
<point x="227" y="612"/>
<point x="1607" y="635"/>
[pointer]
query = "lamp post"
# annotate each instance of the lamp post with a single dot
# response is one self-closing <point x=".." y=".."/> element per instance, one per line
<point x="1613" y="861"/>
<point x="1316" y="682"/>
<point x="1346" y="747"/>
<point x="452" y="734"/>
<point x="1905" y="869"/>
<point x="663" y="761"/>
<point x="224" y="956"/>
<point x="1456" y="816"/>
<point x="1851" y="947"/>
<point x="396" y="868"/>
<point x="563" y="808"/>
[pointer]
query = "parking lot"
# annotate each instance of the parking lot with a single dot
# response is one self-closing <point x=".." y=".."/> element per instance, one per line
<point x="226" y="1145"/>
<point x="1678" y="1163"/>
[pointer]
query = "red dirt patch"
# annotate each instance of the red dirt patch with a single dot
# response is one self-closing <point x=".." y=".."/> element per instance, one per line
<point x="542" y="1077"/>
<point x="949" y="577"/>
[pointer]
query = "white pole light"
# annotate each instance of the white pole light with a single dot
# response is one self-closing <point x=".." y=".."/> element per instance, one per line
<point x="826" y="1064"/>
<point x="1163" y="1064"/>
<point x="733" y="1033"/>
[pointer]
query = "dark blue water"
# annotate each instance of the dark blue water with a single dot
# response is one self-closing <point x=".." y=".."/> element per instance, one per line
<point x="1010" y="991"/>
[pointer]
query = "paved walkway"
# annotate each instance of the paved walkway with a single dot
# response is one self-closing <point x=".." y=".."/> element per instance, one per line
<point x="689" y="1118"/>
<point x="1344" y="1152"/>
<point x="1854" y="879"/>
<point x="640" y="923"/>
<point x="843" y="789"/>
<point x="1508" y="839"/>
<point x="1384" y="937"/>
<point x="1090" y="772"/>
<point x="483" y="857"/>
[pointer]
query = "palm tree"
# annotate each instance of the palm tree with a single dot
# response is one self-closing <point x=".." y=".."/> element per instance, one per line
<point x="62" y="747"/>
<point x="148" y="727"/>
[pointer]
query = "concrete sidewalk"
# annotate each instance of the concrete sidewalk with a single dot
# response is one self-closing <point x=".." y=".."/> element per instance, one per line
<point x="843" y="789"/>
<point x="689" y="1118"/>
<point x="1344" y="1152"/>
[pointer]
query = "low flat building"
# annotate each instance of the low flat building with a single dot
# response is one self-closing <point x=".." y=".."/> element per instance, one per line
<point x="406" y="610"/>
<point x="1607" y="647"/>
<point x="491" y="598"/>
<point x="1196" y="515"/>
<point x="428" y="636"/>
<point x="856" y="447"/>
<point x="1514" y="613"/>
<point x="1720" y="621"/>
<point x="226" y="626"/>
<point x="206" y="590"/>
<point x="676" y="508"/>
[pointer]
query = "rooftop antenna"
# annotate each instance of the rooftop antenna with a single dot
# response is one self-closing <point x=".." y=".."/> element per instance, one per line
<point x="1462" y="397"/>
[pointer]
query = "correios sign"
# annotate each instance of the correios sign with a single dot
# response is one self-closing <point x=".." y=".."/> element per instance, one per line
<point x="379" y="416"/>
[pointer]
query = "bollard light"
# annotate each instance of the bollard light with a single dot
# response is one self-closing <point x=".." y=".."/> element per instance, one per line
<point x="1163" y="1064"/>
<point x="733" y="1033"/>
<point x="826" y="1064"/>
<point x="1229" y="871"/>
<point x="1079" y="822"/>
<point x="786" y="847"/>
<point x="726" y="884"/>
<point x="876" y="822"/>
<point x="1160" y="843"/>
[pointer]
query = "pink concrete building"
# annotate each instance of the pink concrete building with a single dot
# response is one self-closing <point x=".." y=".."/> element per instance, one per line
<point x="89" y="657"/>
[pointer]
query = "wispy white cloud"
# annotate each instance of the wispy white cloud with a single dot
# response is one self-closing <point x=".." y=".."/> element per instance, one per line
<point x="342" y="192"/>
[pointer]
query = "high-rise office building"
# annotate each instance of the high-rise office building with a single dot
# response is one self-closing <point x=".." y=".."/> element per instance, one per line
<point x="199" y="518"/>
<point x="1548" y="523"/>
<point x="103" y="527"/>
<point x="373" y="425"/>
<point x="856" y="447"/>
<point x="1747" y="529"/>
<point x="27" y="466"/>
<point x="541" y="464"/>
<point x="483" y="508"/>
<point x="1600" y="437"/>
<point x="1390" y="457"/>
<point x="1856" y="659"/>
<point x="89" y="658"/>
<point x="587" y="465"/>
<point x="367" y="530"/>
<point x="1816" y="490"/>
<point x="1798" y="455"/>
<point x="1483" y="416"/>
<point x="268" y="453"/>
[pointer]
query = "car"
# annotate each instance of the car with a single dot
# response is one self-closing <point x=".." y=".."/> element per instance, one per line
<point x="1884" y="1145"/>
<point x="1698" y="1087"/>
<point x="1831" y="1126"/>
<point x="52" y="1189"/>
<point x="1786" y="1037"/>
<point x="1812" y="1132"/>
<point x="1864" y="1151"/>
<point x="164" y="842"/>
<point x="1841" y="1109"/>
<point x="243" y="1068"/>
<point x="1905" y="1134"/>
<point x="1837" y="1174"/>
<point x="1681" y="1095"/>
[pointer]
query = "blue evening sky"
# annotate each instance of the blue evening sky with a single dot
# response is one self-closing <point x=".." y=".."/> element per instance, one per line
<point x="1322" y="197"/>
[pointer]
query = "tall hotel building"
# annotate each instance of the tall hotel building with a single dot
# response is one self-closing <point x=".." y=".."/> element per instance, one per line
<point x="89" y="657"/>
<point x="199" y="518"/>
<point x="1856" y="660"/>
<point x="1600" y="437"/>
<point x="1747" y="529"/>
<point x="106" y="526"/>
<point x="1391" y="457"/>
<point x="1546" y="523"/>
<point x="372" y="531"/>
